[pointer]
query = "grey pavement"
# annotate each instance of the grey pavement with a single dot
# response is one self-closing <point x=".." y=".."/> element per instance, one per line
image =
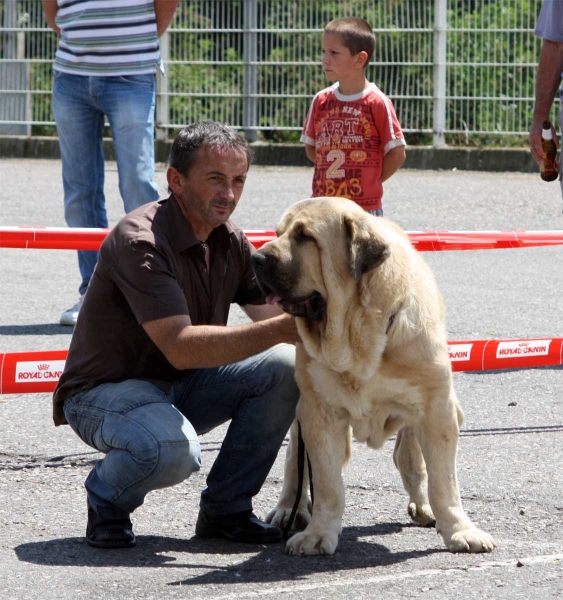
<point x="510" y="452"/>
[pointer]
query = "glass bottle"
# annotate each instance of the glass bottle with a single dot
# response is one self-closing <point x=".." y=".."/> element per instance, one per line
<point x="548" y="170"/>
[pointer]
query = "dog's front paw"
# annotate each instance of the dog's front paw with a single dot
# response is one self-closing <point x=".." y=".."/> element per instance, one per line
<point x="472" y="540"/>
<point x="280" y="517"/>
<point x="308" y="544"/>
<point x="421" y="514"/>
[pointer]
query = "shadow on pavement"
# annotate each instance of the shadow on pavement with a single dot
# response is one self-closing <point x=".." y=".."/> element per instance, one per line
<point x="269" y="563"/>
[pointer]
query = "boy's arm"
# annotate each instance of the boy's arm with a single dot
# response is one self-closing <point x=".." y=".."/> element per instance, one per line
<point x="392" y="161"/>
<point x="311" y="152"/>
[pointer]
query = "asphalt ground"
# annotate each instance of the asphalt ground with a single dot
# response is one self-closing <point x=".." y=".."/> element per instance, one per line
<point x="510" y="450"/>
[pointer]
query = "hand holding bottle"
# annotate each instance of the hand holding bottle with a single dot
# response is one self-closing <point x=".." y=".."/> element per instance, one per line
<point x="537" y="141"/>
<point x="549" y="167"/>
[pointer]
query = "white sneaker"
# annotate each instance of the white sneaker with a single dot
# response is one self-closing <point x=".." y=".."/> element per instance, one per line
<point x="70" y="316"/>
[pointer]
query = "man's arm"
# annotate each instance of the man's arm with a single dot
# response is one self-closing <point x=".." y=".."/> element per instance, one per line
<point x="164" y="12"/>
<point x="50" y="9"/>
<point x="188" y="346"/>
<point x="392" y="161"/>
<point x="548" y="81"/>
<point x="261" y="312"/>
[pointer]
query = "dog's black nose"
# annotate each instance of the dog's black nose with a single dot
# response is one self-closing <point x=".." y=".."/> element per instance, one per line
<point x="259" y="260"/>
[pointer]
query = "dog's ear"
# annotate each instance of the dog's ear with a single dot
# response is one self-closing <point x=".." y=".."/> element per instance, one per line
<point x="366" y="251"/>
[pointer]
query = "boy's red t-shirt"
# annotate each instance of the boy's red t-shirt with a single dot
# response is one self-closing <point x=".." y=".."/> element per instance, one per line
<point x="351" y="135"/>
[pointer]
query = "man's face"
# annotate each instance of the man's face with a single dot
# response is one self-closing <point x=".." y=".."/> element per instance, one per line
<point x="211" y="189"/>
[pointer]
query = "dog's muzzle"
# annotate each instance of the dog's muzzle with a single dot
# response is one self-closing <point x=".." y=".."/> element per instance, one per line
<point x="276" y="289"/>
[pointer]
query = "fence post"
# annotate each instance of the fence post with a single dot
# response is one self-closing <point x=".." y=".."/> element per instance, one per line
<point x="162" y="88"/>
<point x="14" y="75"/>
<point x="250" y="56"/>
<point x="439" y="116"/>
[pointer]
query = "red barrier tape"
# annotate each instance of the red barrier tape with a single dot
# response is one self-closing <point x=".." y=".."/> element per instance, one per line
<point x="67" y="238"/>
<point x="80" y="238"/>
<point x="29" y="372"/>
<point x="490" y="355"/>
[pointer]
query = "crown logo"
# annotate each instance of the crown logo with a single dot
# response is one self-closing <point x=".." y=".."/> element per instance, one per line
<point x="43" y="367"/>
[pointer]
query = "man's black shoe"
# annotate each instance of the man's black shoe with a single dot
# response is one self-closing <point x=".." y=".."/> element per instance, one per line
<point x="109" y="531"/>
<point x="243" y="527"/>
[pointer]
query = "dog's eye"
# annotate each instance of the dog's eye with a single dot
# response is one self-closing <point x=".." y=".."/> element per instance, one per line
<point x="301" y="236"/>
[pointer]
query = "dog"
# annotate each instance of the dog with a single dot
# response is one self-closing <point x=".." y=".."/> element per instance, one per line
<point x="372" y="360"/>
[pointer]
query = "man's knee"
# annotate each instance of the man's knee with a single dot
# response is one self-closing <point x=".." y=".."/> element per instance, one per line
<point x="282" y="362"/>
<point x="177" y="461"/>
<point x="276" y="390"/>
<point x="165" y="448"/>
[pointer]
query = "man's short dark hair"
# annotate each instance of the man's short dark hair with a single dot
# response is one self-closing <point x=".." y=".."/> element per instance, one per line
<point x="355" y="33"/>
<point x="208" y="134"/>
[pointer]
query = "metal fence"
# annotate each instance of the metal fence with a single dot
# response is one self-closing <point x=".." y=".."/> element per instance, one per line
<point x="455" y="69"/>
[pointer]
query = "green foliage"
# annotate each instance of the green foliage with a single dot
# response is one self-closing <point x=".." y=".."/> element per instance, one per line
<point x="491" y="56"/>
<point x="508" y="89"/>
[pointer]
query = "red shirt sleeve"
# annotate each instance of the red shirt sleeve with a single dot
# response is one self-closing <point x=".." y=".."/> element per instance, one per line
<point x="387" y="123"/>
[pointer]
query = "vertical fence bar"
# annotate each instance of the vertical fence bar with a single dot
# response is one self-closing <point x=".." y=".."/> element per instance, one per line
<point x="162" y="97"/>
<point x="250" y="56"/>
<point x="15" y="103"/>
<point x="439" y="117"/>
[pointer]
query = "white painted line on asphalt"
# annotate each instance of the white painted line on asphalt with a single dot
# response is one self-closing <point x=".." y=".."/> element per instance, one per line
<point x="529" y="560"/>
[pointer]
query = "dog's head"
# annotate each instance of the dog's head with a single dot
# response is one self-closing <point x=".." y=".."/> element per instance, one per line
<point x="323" y="244"/>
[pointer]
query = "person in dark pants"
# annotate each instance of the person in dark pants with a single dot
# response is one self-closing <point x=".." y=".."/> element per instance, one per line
<point x="152" y="365"/>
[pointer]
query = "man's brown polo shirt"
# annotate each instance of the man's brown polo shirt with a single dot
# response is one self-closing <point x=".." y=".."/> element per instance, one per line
<point x="152" y="266"/>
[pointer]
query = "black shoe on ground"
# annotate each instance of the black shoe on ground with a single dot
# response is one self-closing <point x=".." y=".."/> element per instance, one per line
<point x="243" y="527"/>
<point x="110" y="531"/>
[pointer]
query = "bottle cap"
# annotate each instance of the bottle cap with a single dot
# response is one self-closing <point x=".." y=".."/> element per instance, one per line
<point x="546" y="131"/>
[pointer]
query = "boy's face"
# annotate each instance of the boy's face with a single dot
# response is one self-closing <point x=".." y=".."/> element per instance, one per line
<point x="338" y="62"/>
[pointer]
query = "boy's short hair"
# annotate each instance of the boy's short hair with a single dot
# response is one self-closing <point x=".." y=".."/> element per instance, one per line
<point x="355" y="33"/>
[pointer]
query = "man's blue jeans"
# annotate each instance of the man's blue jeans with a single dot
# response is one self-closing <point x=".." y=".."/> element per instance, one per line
<point x="150" y="438"/>
<point x="79" y="105"/>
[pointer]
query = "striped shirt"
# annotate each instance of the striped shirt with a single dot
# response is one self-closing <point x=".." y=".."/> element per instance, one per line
<point x="107" y="37"/>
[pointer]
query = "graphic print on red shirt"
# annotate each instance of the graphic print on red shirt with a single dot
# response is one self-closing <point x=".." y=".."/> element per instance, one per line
<point x="351" y="135"/>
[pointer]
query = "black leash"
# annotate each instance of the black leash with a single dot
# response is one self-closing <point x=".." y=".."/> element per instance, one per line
<point x="300" y="477"/>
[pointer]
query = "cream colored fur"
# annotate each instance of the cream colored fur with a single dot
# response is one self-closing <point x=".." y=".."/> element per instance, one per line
<point x="354" y="375"/>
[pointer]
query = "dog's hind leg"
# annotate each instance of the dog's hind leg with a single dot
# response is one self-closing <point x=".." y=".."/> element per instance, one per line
<point x="438" y="434"/>
<point x="408" y="459"/>
<point x="281" y="513"/>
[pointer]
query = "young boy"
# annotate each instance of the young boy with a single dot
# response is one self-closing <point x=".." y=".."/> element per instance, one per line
<point x="352" y="133"/>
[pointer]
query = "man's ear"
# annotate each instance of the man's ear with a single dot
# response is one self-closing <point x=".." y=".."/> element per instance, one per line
<point x="365" y="250"/>
<point x="175" y="180"/>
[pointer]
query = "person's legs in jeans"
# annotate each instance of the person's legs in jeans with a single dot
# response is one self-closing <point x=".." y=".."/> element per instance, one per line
<point x="129" y="103"/>
<point x="148" y="443"/>
<point x="376" y="212"/>
<point x="259" y="396"/>
<point x="80" y="124"/>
